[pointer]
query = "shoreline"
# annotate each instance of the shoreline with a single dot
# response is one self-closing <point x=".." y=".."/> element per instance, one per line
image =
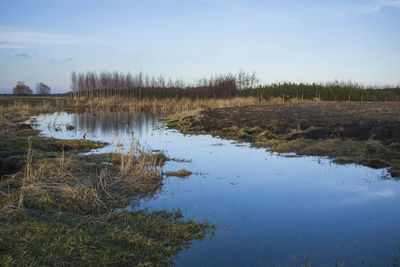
<point x="361" y="133"/>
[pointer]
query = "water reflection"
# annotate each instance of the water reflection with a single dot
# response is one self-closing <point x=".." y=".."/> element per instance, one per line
<point x="271" y="210"/>
<point x="103" y="127"/>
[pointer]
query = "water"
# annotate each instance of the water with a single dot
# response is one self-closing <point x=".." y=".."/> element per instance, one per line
<point x="270" y="210"/>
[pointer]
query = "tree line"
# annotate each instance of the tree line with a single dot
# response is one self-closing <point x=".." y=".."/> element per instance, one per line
<point x="105" y="84"/>
<point x="331" y="91"/>
<point x="244" y="84"/>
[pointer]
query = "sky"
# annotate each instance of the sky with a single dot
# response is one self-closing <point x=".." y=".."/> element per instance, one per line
<point x="296" y="41"/>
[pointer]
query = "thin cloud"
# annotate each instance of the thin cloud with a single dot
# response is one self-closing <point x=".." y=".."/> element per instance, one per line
<point x="377" y="5"/>
<point x="22" y="38"/>
<point x="7" y="44"/>
<point x="392" y="3"/>
<point x="363" y="7"/>
<point x="22" y="55"/>
<point x="68" y="59"/>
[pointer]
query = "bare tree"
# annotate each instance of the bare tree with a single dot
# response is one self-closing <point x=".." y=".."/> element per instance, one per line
<point x="246" y="80"/>
<point x="42" y="89"/>
<point x="74" y="84"/>
<point x="22" y="89"/>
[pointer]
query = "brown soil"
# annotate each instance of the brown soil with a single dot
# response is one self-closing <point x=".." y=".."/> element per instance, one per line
<point x="363" y="133"/>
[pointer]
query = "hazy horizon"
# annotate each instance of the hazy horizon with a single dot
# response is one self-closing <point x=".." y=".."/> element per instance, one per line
<point x="296" y="41"/>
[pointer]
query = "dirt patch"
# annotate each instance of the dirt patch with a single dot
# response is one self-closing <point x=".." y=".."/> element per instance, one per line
<point x="363" y="133"/>
<point x="10" y="161"/>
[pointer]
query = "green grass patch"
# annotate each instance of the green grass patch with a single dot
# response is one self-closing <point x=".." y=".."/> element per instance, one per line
<point x="8" y="101"/>
<point x="47" y="144"/>
<point x="125" y="238"/>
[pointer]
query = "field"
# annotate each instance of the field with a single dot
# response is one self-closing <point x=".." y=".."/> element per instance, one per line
<point x="363" y="133"/>
<point x="54" y="101"/>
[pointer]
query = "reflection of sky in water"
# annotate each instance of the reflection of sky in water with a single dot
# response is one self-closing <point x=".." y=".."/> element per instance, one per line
<point x="269" y="209"/>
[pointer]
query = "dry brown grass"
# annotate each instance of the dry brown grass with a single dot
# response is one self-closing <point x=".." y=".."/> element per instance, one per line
<point x="167" y="105"/>
<point x="172" y="105"/>
<point x="69" y="183"/>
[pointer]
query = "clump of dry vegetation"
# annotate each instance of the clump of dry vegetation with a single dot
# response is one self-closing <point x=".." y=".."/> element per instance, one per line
<point x="182" y="173"/>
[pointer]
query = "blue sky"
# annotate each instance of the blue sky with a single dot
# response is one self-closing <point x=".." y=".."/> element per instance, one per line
<point x="298" y="41"/>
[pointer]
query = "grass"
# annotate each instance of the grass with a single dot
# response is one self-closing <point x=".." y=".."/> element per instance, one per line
<point x="126" y="238"/>
<point x="49" y="144"/>
<point x="162" y="105"/>
<point x="34" y="101"/>
<point x="61" y="208"/>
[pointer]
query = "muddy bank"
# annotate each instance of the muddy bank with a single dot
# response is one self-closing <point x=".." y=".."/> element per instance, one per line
<point x="362" y="133"/>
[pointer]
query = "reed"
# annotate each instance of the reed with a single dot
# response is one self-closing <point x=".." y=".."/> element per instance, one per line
<point x="164" y="105"/>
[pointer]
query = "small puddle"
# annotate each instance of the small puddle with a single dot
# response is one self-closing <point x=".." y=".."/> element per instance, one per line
<point x="270" y="210"/>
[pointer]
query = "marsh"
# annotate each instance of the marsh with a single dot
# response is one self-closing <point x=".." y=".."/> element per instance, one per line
<point x="270" y="209"/>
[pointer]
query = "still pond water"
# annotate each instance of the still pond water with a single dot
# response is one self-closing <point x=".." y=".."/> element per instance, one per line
<point x="270" y="210"/>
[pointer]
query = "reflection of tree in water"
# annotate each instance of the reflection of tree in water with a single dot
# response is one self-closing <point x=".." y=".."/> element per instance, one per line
<point x="101" y="124"/>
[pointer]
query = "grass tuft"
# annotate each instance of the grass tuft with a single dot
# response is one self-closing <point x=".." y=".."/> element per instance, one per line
<point x="182" y="173"/>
